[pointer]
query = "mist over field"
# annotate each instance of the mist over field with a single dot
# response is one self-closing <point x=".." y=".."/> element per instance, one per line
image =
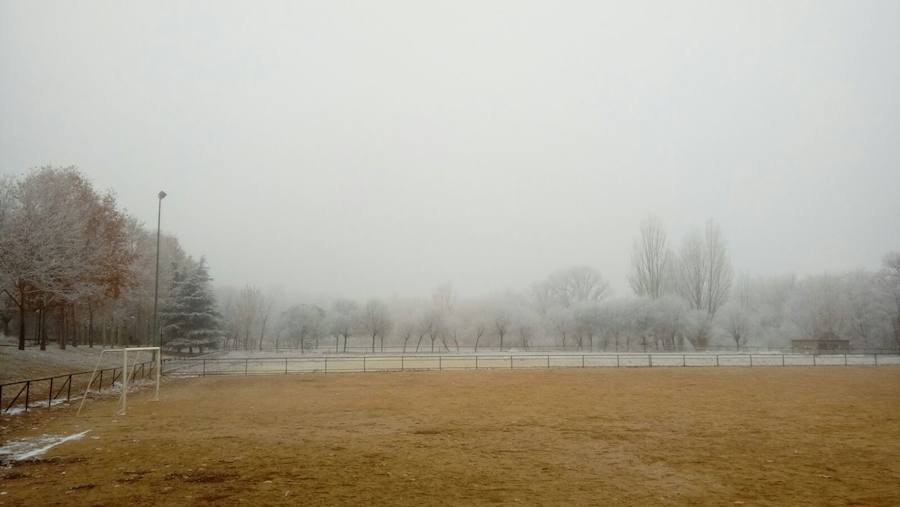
<point x="514" y="155"/>
<point x="399" y="252"/>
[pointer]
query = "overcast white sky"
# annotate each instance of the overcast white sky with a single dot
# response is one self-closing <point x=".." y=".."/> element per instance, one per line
<point x="382" y="148"/>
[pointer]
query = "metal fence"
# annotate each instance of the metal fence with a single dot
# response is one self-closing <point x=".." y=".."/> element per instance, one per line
<point x="374" y="363"/>
<point x="35" y="392"/>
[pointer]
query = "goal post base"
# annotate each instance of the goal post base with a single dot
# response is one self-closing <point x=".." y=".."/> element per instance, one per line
<point x="123" y="399"/>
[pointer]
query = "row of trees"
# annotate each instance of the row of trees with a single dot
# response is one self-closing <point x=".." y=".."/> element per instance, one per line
<point x="76" y="269"/>
<point x="685" y="296"/>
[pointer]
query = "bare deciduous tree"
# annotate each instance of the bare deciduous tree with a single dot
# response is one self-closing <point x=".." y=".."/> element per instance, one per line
<point x="891" y="276"/>
<point x="501" y="321"/>
<point x="650" y="261"/>
<point x="376" y="321"/>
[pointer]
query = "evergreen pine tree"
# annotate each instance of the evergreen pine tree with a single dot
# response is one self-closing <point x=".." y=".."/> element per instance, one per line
<point x="189" y="319"/>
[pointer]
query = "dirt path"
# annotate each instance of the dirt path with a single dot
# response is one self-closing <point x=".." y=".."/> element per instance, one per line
<point x="632" y="436"/>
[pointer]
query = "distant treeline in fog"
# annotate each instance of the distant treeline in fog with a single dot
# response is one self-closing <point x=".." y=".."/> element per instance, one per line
<point x="683" y="299"/>
<point x="76" y="269"/>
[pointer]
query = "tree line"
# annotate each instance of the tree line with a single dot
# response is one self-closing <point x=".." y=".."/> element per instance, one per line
<point x="76" y="269"/>
<point x="685" y="297"/>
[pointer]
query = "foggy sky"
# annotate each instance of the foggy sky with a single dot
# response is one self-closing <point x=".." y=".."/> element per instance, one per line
<point x="382" y="148"/>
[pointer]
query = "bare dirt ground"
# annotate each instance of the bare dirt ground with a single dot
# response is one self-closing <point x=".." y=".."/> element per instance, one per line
<point x="762" y="436"/>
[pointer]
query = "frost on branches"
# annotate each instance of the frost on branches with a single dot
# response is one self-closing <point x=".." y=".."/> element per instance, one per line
<point x="189" y="318"/>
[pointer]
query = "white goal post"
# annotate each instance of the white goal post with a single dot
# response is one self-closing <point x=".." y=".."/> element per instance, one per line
<point x="123" y="399"/>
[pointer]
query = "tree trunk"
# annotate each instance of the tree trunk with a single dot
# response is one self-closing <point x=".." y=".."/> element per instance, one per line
<point x="90" y="326"/>
<point x="418" y="343"/>
<point x="75" y="328"/>
<point x="21" y="325"/>
<point x="39" y="330"/>
<point x="61" y="328"/>
<point x="262" y="332"/>
<point x="43" y="336"/>
<point x="373" y="343"/>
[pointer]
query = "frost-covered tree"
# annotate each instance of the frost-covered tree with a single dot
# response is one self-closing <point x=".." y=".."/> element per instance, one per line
<point x="501" y="322"/>
<point x="704" y="279"/>
<point x="891" y="279"/>
<point x="559" y="322"/>
<point x="343" y="321"/>
<point x="588" y="323"/>
<point x="573" y="286"/>
<point x="189" y="318"/>
<point x="304" y="325"/>
<point x="62" y="244"/>
<point x="651" y="261"/>
<point x="376" y="321"/>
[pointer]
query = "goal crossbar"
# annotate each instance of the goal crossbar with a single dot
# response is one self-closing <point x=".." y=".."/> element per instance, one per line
<point x="123" y="399"/>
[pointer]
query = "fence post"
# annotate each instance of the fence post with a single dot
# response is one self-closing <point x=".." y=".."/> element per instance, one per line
<point x="814" y="360"/>
<point x="440" y="363"/>
<point x="50" y="398"/>
<point x="246" y="361"/>
<point x="510" y="362"/>
<point x="476" y="360"/>
<point x="27" y="393"/>
<point x="717" y="359"/>
<point x="751" y="360"/>
<point x="782" y="359"/>
<point x="364" y="364"/>
<point x="582" y="360"/>
<point x="204" y="368"/>
<point x="876" y="359"/>
<point x="683" y="362"/>
<point x="403" y="360"/>
<point x="548" y="360"/>
<point x="326" y="364"/>
<point x="285" y="366"/>
<point x="100" y="386"/>
<point x="618" y="365"/>
<point x="845" y="359"/>
<point x="650" y="359"/>
<point x="69" y="390"/>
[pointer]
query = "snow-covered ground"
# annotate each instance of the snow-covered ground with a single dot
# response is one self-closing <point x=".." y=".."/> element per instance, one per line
<point x="35" y="363"/>
<point x="31" y="448"/>
<point x="261" y="363"/>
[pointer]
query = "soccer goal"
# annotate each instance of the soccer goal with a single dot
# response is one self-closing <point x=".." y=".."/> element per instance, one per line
<point x="134" y="353"/>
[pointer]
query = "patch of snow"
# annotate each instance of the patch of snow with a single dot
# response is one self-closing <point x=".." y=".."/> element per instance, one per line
<point x="20" y="450"/>
<point x="133" y="386"/>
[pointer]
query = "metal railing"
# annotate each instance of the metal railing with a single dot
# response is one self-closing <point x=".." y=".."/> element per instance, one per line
<point x="34" y="392"/>
<point x="372" y="363"/>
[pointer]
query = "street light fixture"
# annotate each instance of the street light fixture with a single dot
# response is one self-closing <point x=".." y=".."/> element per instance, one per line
<point x="156" y="334"/>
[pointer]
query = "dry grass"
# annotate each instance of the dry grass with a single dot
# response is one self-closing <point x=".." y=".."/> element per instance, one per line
<point x="632" y="436"/>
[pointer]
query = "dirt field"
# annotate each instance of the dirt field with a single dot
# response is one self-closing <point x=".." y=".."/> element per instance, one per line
<point x="766" y="436"/>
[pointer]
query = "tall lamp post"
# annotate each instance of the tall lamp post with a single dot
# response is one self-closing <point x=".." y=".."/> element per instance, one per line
<point x="156" y="334"/>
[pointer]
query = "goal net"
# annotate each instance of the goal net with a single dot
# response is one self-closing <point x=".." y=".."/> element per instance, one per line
<point x="130" y="356"/>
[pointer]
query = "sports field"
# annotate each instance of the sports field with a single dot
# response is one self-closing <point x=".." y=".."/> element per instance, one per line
<point x="717" y="436"/>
